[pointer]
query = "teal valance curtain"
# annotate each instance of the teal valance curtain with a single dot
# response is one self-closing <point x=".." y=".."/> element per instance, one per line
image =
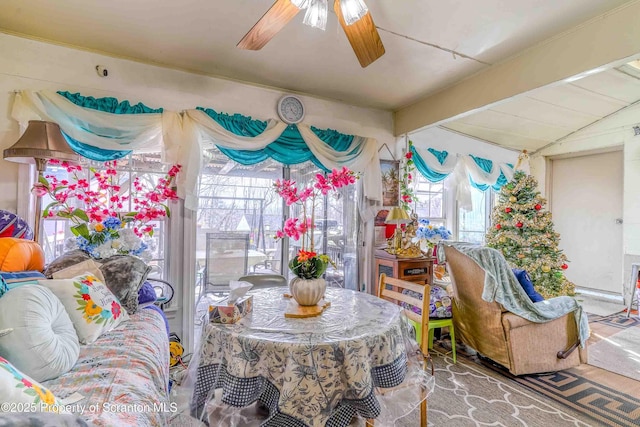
<point x="483" y="174"/>
<point x="108" y="105"/>
<point x="289" y="148"/>
<point x="487" y="166"/>
<point x="429" y="173"/>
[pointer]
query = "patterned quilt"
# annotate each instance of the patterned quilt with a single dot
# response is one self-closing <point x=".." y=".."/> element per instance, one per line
<point x="123" y="375"/>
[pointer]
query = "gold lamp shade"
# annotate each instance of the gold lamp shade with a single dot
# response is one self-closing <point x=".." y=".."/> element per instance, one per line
<point x="40" y="142"/>
<point x="397" y="216"/>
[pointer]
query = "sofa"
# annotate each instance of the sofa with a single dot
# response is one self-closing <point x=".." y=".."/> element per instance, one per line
<point x="118" y="377"/>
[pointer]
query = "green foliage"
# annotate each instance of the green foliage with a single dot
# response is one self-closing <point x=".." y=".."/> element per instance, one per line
<point x="407" y="193"/>
<point x="311" y="268"/>
<point x="523" y="231"/>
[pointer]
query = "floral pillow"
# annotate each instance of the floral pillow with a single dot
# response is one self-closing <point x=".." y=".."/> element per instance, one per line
<point x="26" y="394"/>
<point x="92" y="307"/>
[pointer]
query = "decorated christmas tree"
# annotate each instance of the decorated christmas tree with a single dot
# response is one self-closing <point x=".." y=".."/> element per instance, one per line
<point x="523" y="231"/>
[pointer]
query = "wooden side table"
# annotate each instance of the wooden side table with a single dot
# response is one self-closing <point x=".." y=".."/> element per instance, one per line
<point x="419" y="270"/>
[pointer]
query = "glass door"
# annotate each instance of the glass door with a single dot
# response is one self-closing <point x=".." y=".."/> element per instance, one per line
<point x="336" y="227"/>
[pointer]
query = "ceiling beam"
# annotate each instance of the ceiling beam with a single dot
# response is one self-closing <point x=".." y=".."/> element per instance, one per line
<point x="607" y="40"/>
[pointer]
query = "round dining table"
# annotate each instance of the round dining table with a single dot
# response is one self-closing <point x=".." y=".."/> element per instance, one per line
<point x="317" y="371"/>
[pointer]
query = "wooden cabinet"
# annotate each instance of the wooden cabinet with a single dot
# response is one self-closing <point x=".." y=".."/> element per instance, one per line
<point x="419" y="270"/>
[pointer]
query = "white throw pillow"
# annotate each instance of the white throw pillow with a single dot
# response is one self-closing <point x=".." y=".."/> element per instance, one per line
<point x="42" y="342"/>
<point x="19" y="393"/>
<point x="92" y="307"/>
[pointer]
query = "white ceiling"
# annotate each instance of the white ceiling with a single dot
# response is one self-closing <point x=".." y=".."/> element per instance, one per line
<point x="551" y="114"/>
<point x="419" y="37"/>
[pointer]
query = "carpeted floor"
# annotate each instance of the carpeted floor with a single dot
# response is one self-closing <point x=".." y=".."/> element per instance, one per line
<point x="471" y="394"/>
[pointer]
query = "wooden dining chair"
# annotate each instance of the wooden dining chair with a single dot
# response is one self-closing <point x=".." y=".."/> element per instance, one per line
<point x="391" y="289"/>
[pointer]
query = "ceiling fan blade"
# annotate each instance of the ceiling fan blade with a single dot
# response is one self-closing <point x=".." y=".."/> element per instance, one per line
<point x="269" y="25"/>
<point x="363" y="36"/>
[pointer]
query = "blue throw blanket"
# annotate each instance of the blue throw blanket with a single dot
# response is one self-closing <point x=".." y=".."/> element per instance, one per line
<point x="501" y="285"/>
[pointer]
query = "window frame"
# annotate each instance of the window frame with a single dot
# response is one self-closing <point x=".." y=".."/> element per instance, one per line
<point x="419" y="180"/>
<point x="132" y="167"/>
<point x="489" y="203"/>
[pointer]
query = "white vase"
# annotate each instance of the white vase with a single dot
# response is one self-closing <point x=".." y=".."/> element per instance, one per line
<point x="307" y="291"/>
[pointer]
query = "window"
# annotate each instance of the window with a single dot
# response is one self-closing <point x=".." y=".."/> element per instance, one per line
<point x="430" y="200"/>
<point x="237" y="198"/>
<point x="473" y="224"/>
<point x="336" y="224"/>
<point x="148" y="169"/>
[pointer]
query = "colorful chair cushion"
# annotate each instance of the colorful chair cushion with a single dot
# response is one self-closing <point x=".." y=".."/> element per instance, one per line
<point x="439" y="304"/>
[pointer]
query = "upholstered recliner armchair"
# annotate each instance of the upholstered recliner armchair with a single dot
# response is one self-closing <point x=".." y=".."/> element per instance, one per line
<point x="543" y="337"/>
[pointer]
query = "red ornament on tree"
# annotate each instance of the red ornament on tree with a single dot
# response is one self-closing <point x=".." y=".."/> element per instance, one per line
<point x="498" y="226"/>
<point x="538" y="207"/>
<point x="519" y="224"/>
<point x="507" y="210"/>
<point x="564" y="266"/>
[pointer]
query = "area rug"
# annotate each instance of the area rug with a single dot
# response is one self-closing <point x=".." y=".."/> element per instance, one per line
<point x="609" y="406"/>
<point x="603" y="397"/>
<point x="605" y="326"/>
<point x="606" y="397"/>
<point x="469" y="394"/>
<point x="465" y="394"/>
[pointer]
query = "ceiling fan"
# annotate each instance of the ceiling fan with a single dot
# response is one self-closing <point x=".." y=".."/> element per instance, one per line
<point x="354" y="17"/>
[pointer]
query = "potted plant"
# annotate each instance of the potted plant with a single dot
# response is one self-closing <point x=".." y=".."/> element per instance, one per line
<point x="308" y="287"/>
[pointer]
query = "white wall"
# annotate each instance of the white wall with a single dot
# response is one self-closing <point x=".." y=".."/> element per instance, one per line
<point x="28" y="64"/>
<point x="609" y="134"/>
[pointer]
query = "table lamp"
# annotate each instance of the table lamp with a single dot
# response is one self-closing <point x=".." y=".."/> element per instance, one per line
<point x="40" y="142"/>
<point x="397" y="216"/>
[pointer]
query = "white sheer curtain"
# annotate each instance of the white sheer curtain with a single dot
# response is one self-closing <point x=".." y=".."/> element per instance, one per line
<point x="459" y="168"/>
<point x="141" y="132"/>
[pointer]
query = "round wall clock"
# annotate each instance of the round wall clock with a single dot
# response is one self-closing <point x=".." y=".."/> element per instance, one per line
<point x="290" y="109"/>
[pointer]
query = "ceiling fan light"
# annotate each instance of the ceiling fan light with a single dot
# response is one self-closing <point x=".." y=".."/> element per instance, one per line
<point x="353" y="10"/>
<point x="300" y="4"/>
<point x="316" y="15"/>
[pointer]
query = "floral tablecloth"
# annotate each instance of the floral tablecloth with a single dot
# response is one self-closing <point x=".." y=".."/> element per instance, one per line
<point x="309" y="372"/>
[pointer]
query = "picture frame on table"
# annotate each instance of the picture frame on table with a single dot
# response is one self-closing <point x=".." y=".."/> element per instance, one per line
<point x="390" y="172"/>
<point x="380" y="239"/>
